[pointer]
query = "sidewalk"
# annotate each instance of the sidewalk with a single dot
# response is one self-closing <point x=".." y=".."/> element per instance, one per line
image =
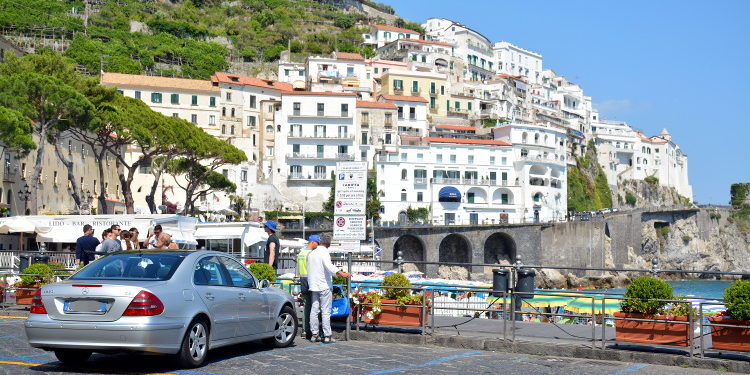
<point x="562" y="340"/>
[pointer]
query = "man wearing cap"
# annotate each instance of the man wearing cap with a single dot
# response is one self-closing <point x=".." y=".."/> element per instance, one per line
<point x="271" y="256"/>
<point x="312" y="244"/>
<point x="319" y="273"/>
<point x="86" y="245"/>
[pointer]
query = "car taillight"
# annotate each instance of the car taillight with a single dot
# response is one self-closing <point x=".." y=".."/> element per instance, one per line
<point x="37" y="306"/>
<point x="144" y="304"/>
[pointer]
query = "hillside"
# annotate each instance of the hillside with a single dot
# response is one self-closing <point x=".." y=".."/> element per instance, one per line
<point x="191" y="38"/>
<point x="587" y="183"/>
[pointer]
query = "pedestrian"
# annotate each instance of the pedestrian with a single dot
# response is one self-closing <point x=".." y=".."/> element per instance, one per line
<point x="125" y="241"/>
<point x="319" y="273"/>
<point x="111" y="244"/>
<point x="116" y="230"/>
<point x="271" y="256"/>
<point x="165" y="242"/>
<point x="150" y="242"/>
<point x="134" y="238"/>
<point x="312" y="244"/>
<point x="86" y="245"/>
<point x="98" y="250"/>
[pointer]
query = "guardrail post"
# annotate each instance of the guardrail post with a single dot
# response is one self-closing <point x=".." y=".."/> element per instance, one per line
<point x="691" y="330"/>
<point x="348" y="295"/>
<point x="604" y="326"/>
<point x="654" y="267"/>
<point x="400" y="261"/>
<point x="423" y="318"/>
<point x="432" y="315"/>
<point x="700" y="320"/>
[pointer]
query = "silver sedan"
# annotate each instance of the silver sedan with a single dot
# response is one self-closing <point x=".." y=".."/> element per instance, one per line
<point x="172" y="302"/>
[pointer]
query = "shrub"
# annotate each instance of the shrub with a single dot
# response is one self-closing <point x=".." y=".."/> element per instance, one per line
<point x="737" y="299"/>
<point x="58" y="268"/>
<point x="630" y="199"/>
<point x="641" y="295"/>
<point x="652" y="180"/>
<point x="263" y="271"/>
<point x="714" y="215"/>
<point x="663" y="232"/>
<point x="339" y="280"/>
<point x="36" y="274"/>
<point x="397" y="280"/>
<point x="686" y="238"/>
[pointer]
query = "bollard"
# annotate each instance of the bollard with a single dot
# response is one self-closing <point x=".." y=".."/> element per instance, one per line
<point x="525" y="283"/>
<point x="499" y="281"/>
<point x="348" y="294"/>
<point x="400" y="261"/>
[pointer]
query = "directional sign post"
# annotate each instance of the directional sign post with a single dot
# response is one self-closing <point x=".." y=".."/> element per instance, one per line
<point x="349" y="222"/>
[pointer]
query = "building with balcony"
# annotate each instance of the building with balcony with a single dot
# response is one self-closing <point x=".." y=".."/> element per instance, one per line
<point x="516" y="61"/>
<point x="461" y="181"/>
<point x="376" y="68"/>
<point x="473" y="47"/>
<point x="339" y="72"/>
<point x="430" y="54"/>
<point x="376" y="126"/>
<point x="317" y="129"/>
<point x="411" y="114"/>
<point x="380" y="35"/>
<point x="540" y="161"/>
<point x="432" y="87"/>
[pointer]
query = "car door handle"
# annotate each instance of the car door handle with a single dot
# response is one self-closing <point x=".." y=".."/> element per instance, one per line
<point x="209" y="296"/>
<point x="242" y="296"/>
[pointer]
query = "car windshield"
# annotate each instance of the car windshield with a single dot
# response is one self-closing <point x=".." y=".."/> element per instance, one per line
<point x="132" y="266"/>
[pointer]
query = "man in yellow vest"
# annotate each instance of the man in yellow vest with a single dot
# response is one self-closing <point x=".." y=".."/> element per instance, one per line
<point x="312" y="244"/>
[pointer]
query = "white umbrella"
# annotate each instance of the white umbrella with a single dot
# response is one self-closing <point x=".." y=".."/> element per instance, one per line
<point x="226" y="211"/>
<point x="22" y="225"/>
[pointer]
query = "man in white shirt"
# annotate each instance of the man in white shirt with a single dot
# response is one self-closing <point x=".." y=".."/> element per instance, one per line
<point x="320" y="270"/>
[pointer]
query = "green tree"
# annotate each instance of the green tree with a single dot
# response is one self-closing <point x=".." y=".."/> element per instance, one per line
<point x="50" y="104"/>
<point x="199" y="180"/>
<point x="15" y="131"/>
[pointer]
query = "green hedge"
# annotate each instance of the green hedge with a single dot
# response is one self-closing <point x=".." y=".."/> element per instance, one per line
<point x="641" y="293"/>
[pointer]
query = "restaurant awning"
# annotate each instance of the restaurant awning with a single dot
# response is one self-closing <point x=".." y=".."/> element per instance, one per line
<point x="449" y="193"/>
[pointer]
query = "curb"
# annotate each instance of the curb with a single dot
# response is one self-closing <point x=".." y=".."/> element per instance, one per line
<point x="550" y="349"/>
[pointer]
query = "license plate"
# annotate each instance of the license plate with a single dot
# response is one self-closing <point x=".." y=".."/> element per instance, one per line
<point x="87" y="306"/>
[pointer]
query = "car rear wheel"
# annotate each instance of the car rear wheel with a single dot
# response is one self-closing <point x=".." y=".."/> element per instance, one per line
<point x="194" y="346"/>
<point x="72" y="356"/>
<point x="286" y="329"/>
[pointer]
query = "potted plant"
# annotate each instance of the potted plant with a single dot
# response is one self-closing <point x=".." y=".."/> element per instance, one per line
<point x="737" y="300"/>
<point x="32" y="278"/>
<point x="644" y="299"/>
<point x="392" y="306"/>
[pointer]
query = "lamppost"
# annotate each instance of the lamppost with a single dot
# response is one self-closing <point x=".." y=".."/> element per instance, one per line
<point x="25" y="195"/>
<point x="86" y="198"/>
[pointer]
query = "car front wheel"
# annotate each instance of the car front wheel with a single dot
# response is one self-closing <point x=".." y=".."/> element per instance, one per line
<point x="194" y="346"/>
<point x="72" y="356"/>
<point x="285" y="330"/>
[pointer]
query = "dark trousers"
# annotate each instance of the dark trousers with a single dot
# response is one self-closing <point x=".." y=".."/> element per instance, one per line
<point x="307" y="300"/>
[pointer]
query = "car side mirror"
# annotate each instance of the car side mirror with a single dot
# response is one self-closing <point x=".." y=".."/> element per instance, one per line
<point x="264" y="284"/>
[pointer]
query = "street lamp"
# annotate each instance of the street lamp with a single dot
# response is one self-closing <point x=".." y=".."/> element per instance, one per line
<point x="25" y="195"/>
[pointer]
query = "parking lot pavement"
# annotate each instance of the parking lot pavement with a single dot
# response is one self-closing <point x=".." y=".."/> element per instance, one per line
<point x="354" y="357"/>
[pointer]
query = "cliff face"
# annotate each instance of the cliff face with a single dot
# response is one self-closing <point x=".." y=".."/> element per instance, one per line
<point x="630" y="194"/>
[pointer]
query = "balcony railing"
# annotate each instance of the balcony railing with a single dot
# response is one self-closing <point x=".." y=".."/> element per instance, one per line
<point x="416" y="92"/>
<point x="458" y="110"/>
<point x="314" y="177"/>
<point x="398" y="90"/>
<point x="541" y="159"/>
<point x="420" y="181"/>
<point x="301" y="156"/>
<point x="321" y="136"/>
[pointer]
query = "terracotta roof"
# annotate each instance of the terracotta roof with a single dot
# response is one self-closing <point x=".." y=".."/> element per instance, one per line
<point x="321" y="93"/>
<point x="366" y="104"/>
<point x="348" y="56"/>
<point x="488" y="142"/>
<point x="426" y="41"/>
<point x="404" y="98"/>
<point x="250" y="81"/>
<point x="392" y="28"/>
<point x="120" y="79"/>
<point x="455" y="127"/>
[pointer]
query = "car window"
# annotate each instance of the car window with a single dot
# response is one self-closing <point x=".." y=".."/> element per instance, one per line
<point x="209" y="271"/>
<point x="239" y="275"/>
<point x="132" y="267"/>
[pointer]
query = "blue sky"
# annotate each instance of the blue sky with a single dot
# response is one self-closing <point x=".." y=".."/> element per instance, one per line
<point x="683" y="65"/>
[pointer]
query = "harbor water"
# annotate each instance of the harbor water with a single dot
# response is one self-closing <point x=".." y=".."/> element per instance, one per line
<point x="686" y="288"/>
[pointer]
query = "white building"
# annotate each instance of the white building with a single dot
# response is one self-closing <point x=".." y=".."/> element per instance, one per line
<point x="411" y="113"/>
<point x="539" y="154"/>
<point x="380" y="35"/>
<point x="516" y="61"/>
<point x="470" y="45"/>
<point x="317" y="130"/>
<point x="340" y="72"/>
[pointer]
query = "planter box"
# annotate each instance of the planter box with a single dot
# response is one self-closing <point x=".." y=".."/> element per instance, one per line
<point x="24" y="296"/>
<point x="730" y="338"/>
<point x="407" y="315"/>
<point x="653" y="332"/>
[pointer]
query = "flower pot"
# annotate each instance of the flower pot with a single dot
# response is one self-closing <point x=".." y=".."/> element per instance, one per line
<point x="407" y="315"/>
<point x="728" y="338"/>
<point x="25" y="294"/>
<point x="652" y="332"/>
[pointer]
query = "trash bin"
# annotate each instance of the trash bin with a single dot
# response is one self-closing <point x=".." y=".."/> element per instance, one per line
<point x="525" y="283"/>
<point x="25" y="261"/>
<point x="40" y="259"/>
<point x="499" y="281"/>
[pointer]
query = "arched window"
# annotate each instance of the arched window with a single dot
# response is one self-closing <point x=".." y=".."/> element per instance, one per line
<point x="223" y="129"/>
<point x="278" y="128"/>
<point x="224" y="111"/>
<point x="232" y="112"/>
<point x="536" y="138"/>
<point x="269" y="129"/>
<point x="403" y="174"/>
<point x="524" y="137"/>
<point x="538" y="198"/>
<point x="231" y="130"/>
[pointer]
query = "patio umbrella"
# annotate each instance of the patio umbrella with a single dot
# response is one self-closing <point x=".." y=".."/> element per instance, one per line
<point x="542" y="300"/>
<point x="582" y="305"/>
<point x="22" y="225"/>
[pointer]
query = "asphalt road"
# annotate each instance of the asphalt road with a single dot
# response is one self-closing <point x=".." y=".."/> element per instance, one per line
<point x="354" y="357"/>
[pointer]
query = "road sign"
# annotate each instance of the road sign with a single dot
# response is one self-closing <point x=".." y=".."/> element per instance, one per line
<point x="349" y="227"/>
<point x="351" y="188"/>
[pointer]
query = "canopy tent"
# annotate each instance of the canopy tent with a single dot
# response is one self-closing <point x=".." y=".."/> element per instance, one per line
<point x="67" y="228"/>
<point x="21" y="224"/>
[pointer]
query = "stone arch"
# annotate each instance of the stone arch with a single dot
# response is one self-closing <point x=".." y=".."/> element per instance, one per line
<point x="411" y="247"/>
<point x="455" y="248"/>
<point x="497" y="196"/>
<point x="499" y="248"/>
<point x="538" y="169"/>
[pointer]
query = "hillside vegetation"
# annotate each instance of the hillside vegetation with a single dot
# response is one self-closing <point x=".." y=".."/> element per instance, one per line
<point x="587" y="183"/>
<point x="192" y="38"/>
